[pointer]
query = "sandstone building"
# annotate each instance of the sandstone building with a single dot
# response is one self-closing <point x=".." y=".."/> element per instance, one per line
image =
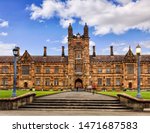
<point x="77" y="69"/>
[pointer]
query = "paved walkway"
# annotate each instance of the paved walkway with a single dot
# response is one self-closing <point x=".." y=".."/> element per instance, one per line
<point x="78" y="95"/>
<point x="74" y="95"/>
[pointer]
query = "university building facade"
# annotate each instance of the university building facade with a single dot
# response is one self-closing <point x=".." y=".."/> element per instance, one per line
<point x="77" y="69"/>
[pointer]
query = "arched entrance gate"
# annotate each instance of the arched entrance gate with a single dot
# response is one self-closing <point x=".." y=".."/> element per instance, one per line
<point x="78" y="83"/>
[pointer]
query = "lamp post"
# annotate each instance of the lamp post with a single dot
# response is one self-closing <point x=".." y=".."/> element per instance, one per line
<point x="138" y="53"/>
<point x="15" y="53"/>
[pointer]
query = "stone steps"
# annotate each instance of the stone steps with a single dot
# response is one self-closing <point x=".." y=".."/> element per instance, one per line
<point x="81" y="104"/>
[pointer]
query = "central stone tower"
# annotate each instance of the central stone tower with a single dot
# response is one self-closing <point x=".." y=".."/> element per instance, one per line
<point x="78" y="58"/>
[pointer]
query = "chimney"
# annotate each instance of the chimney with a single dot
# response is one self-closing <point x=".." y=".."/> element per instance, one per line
<point x="111" y="51"/>
<point x="63" y="51"/>
<point x="45" y="51"/>
<point x="94" y="53"/>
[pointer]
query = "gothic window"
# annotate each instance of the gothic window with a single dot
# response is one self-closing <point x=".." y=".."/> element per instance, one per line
<point x="148" y="81"/>
<point x="130" y="68"/>
<point x="47" y="82"/>
<point x="38" y="69"/>
<point x="4" y="81"/>
<point x="148" y="70"/>
<point x="78" y="68"/>
<point x="108" y="81"/>
<point x="47" y="70"/>
<point x="99" y="81"/>
<point x="25" y="70"/>
<point x="99" y="70"/>
<point x="108" y="70"/>
<point x="56" y="70"/>
<point x="118" y="81"/>
<point x="56" y="82"/>
<point x="37" y="82"/>
<point x="117" y="68"/>
<point x="4" y="69"/>
<point x="78" y="54"/>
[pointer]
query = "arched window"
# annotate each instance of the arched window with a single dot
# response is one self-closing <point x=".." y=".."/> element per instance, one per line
<point x="78" y="55"/>
<point x="130" y="68"/>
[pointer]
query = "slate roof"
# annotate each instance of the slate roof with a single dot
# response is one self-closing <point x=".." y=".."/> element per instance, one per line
<point x="50" y="59"/>
<point x="108" y="58"/>
<point x="59" y="59"/>
<point x="6" y="59"/>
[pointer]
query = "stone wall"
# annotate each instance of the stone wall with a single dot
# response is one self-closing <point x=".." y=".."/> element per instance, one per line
<point x="135" y="103"/>
<point x="15" y="103"/>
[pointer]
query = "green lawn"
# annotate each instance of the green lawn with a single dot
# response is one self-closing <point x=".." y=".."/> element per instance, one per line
<point x="8" y="93"/>
<point x="144" y="94"/>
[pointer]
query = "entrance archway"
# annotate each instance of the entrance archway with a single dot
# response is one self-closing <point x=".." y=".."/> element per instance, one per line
<point x="130" y="85"/>
<point x="78" y="83"/>
<point x="25" y="85"/>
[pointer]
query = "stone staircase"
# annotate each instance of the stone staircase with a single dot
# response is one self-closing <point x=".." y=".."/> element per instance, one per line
<point x="75" y="104"/>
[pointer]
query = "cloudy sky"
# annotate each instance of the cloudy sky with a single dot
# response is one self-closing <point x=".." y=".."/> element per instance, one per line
<point x="33" y="24"/>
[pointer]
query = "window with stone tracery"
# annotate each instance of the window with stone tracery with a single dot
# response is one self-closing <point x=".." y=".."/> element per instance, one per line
<point x="4" y="81"/>
<point x="56" y="82"/>
<point x="4" y="69"/>
<point x="108" y="81"/>
<point x="47" y="82"/>
<point x="37" y="82"/>
<point x="118" y="81"/>
<point x="78" y="68"/>
<point x="38" y="69"/>
<point x="47" y="70"/>
<point x="78" y="55"/>
<point x="99" y="81"/>
<point x="148" y="80"/>
<point x="25" y="70"/>
<point x="130" y="68"/>
<point x="118" y="69"/>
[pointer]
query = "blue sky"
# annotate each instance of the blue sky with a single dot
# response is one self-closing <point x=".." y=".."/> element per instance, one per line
<point x="32" y="24"/>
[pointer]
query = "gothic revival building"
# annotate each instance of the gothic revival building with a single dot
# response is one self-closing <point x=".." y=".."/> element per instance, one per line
<point x="77" y="69"/>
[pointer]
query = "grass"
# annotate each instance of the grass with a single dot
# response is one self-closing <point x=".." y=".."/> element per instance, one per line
<point x="144" y="94"/>
<point x="8" y="93"/>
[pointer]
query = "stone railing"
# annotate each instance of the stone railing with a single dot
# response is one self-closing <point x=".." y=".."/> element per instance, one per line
<point x="16" y="102"/>
<point x="135" y="103"/>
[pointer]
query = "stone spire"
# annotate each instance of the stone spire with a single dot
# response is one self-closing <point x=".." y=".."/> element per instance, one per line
<point x="86" y="31"/>
<point x="70" y="31"/>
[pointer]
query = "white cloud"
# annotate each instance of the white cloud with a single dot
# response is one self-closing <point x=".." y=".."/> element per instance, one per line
<point x="124" y="2"/>
<point x="145" y="44"/>
<point x="91" y="44"/>
<point x="65" y="40"/>
<point x="46" y="10"/>
<point x="48" y="40"/>
<point x="56" y="49"/>
<point x="104" y="16"/>
<point x="52" y="41"/>
<point x="6" y="48"/>
<point x="65" y="22"/>
<point x="3" y="33"/>
<point x="119" y="48"/>
<point x="3" y="23"/>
